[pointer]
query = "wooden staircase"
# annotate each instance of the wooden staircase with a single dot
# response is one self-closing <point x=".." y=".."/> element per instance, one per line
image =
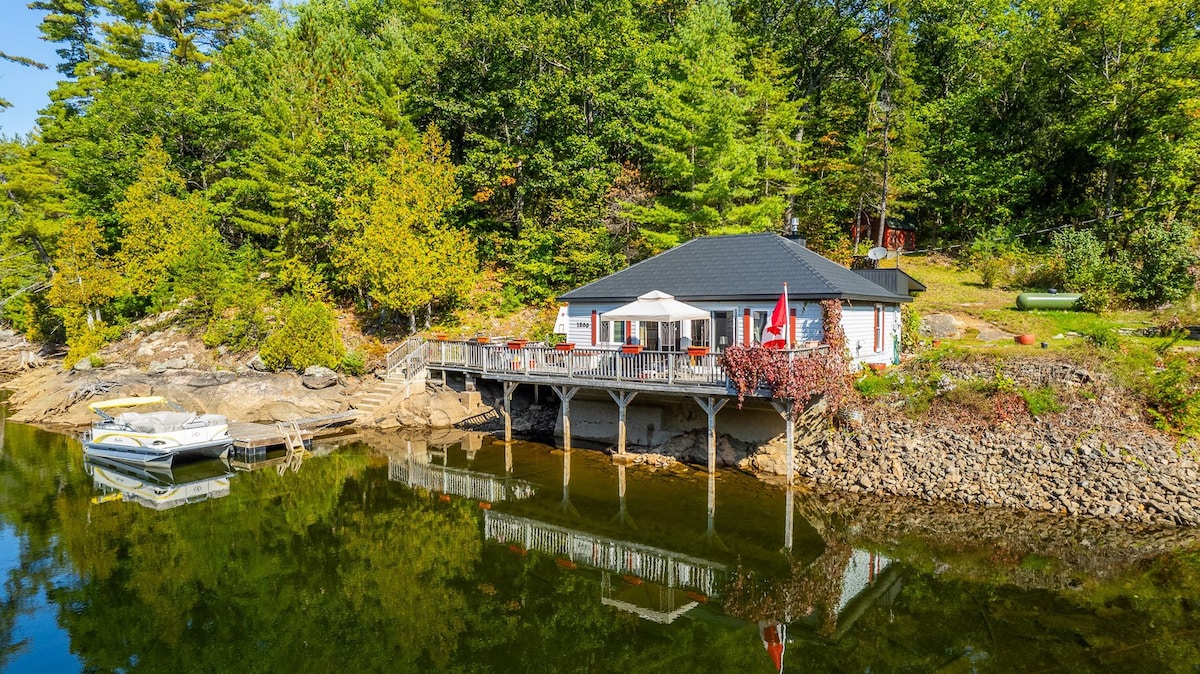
<point x="406" y="375"/>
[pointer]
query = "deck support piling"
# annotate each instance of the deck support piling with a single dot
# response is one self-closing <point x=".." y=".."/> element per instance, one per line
<point x="711" y="405"/>
<point x="787" y="410"/>
<point x="509" y="387"/>
<point x="565" y="393"/>
<point x="622" y="399"/>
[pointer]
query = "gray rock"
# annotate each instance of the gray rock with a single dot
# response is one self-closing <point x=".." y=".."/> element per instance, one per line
<point x="256" y="364"/>
<point x="317" y="378"/>
<point x="156" y="367"/>
<point x="83" y="365"/>
<point x="941" y="326"/>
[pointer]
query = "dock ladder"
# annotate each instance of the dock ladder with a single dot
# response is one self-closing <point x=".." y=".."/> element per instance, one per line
<point x="293" y="439"/>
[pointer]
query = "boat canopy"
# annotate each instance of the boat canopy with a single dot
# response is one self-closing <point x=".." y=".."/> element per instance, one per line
<point x="126" y="402"/>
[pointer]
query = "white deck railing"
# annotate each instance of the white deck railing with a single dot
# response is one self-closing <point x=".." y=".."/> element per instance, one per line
<point x="595" y="363"/>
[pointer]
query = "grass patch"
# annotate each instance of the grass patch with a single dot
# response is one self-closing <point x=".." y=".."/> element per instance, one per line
<point x="1041" y="401"/>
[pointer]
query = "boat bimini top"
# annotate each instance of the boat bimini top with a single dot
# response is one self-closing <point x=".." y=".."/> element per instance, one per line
<point x="100" y="406"/>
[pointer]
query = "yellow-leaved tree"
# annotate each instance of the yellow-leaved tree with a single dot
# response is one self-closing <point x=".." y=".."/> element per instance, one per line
<point x="160" y="222"/>
<point x="85" y="281"/>
<point x="390" y="241"/>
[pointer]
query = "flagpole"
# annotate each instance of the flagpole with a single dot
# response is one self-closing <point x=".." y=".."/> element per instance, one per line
<point x="787" y="318"/>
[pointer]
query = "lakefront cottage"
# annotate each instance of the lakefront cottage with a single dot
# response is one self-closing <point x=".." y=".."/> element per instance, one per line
<point x="736" y="283"/>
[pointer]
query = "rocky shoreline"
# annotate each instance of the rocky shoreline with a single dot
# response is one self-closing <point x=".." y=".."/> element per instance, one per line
<point x="1094" y="459"/>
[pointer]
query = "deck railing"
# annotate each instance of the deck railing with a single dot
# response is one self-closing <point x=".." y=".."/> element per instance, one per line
<point x="604" y="364"/>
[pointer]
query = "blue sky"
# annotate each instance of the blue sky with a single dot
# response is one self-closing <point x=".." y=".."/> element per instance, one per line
<point x="26" y="88"/>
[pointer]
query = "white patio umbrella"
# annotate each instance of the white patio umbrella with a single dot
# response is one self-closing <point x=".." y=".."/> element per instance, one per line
<point x="656" y="307"/>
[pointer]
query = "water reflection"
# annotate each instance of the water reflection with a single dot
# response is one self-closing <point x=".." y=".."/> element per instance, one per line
<point x="158" y="489"/>
<point x="829" y="582"/>
<point x="813" y="587"/>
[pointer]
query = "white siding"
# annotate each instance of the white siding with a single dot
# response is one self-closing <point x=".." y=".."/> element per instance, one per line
<point x="858" y="320"/>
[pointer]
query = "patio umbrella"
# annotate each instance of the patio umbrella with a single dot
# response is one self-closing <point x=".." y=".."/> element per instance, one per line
<point x="656" y="306"/>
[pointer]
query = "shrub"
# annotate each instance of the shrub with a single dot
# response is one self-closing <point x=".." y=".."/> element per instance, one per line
<point x="910" y="327"/>
<point x="1165" y="254"/>
<point x="1174" y="396"/>
<point x="307" y="334"/>
<point x="354" y="362"/>
<point x="1102" y="338"/>
<point x="874" y="385"/>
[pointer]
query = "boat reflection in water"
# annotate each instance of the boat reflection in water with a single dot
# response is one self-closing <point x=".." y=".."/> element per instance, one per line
<point x="158" y="488"/>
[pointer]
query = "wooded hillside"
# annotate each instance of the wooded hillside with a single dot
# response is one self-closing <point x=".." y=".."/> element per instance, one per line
<point x="219" y="155"/>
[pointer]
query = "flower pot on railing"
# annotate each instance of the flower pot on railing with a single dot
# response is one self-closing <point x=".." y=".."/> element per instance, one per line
<point x="441" y="336"/>
<point x="1024" y="339"/>
<point x="564" y="346"/>
<point x="695" y="351"/>
<point x="515" y="344"/>
<point x="631" y="348"/>
<point x="481" y="340"/>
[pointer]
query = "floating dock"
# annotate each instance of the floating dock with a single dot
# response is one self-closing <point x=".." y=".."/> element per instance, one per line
<point x="249" y="435"/>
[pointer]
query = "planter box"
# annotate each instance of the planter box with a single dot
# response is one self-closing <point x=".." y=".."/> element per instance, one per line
<point x="1024" y="339"/>
<point x="878" y="367"/>
<point x="481" y="340"/>
<point x="441" y="336"/>
<point x="697" y="351"/>
<point x="564" y="346"/>
<point x="515" y="344"/>
<point x="631" y="348"/>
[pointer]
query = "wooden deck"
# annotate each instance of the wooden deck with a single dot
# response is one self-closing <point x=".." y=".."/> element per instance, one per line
<point x="664" y="371"/>
<point x="249" y="435"/>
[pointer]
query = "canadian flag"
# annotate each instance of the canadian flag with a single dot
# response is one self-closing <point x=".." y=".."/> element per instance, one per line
<point x="775" y="333"/>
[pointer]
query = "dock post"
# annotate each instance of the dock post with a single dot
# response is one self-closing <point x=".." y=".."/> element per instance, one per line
<point x="622" y="399"/>
<point x="565" y="393"/>
<point x="509" y="387"/>
<point x="711" y="405"/>
<point x="788" y="412"/>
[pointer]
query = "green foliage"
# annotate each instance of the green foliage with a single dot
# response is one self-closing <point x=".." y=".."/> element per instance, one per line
<point x="306" y="334"/>
<point x="1173" y="395"/>
<point x="1041" y="401"/>
<point x="354" y="362"/>
<point x="1102" y="338"/>
<point x="910" y="327"/>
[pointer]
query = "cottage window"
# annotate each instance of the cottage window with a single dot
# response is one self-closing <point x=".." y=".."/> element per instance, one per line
<point x="759" y="323"/>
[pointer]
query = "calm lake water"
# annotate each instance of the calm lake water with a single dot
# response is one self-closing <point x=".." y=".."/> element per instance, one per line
<point x="456" y="553"/>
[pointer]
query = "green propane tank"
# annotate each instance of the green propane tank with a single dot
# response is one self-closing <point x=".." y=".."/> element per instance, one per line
<point x="1027" y="301"/>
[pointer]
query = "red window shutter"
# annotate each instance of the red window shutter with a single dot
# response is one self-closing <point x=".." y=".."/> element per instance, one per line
<point x="792" y="325"/>
<point x="746" y="327"/>
<point x="595" y="328"/>
<point x="878" y="327"/>
<point x="628" y="330"/>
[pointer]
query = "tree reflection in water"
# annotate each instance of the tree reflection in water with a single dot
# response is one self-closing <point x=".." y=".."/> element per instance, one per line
<point x="336" y="567"/>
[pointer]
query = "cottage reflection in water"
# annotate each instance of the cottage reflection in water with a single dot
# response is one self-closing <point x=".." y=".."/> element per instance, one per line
<point x="817" y="590"/>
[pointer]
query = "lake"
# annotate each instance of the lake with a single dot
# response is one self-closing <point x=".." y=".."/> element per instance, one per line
<point x="444" y="551"/>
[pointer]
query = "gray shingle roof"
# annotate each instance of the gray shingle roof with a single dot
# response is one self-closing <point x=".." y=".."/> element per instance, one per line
<point x="743" y="267"/>
<point x="895" y="280"/>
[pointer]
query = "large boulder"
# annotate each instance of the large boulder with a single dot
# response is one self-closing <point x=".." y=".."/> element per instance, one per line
<point x="941" y="326"/>
<point x="317" y="377"/>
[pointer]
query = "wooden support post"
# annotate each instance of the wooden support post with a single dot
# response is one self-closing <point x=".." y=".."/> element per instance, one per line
<point x="565" y="393"/>
<point x="788" y="412"/>
<point x="509" y="387"/>
<point x="711" y="405"/>
<point x="788" y="518"/>
<point x="622" y="399"/>
<point x="508" y="458"/>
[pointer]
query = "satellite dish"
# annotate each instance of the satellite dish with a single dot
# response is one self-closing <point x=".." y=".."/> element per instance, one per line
<point x="877" y="253"/>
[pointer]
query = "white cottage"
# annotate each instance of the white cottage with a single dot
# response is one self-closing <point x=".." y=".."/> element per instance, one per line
<point x="738" y="280"/>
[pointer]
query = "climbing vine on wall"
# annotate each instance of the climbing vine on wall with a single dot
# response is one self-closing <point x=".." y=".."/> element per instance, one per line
<point x="795" y="376"/>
